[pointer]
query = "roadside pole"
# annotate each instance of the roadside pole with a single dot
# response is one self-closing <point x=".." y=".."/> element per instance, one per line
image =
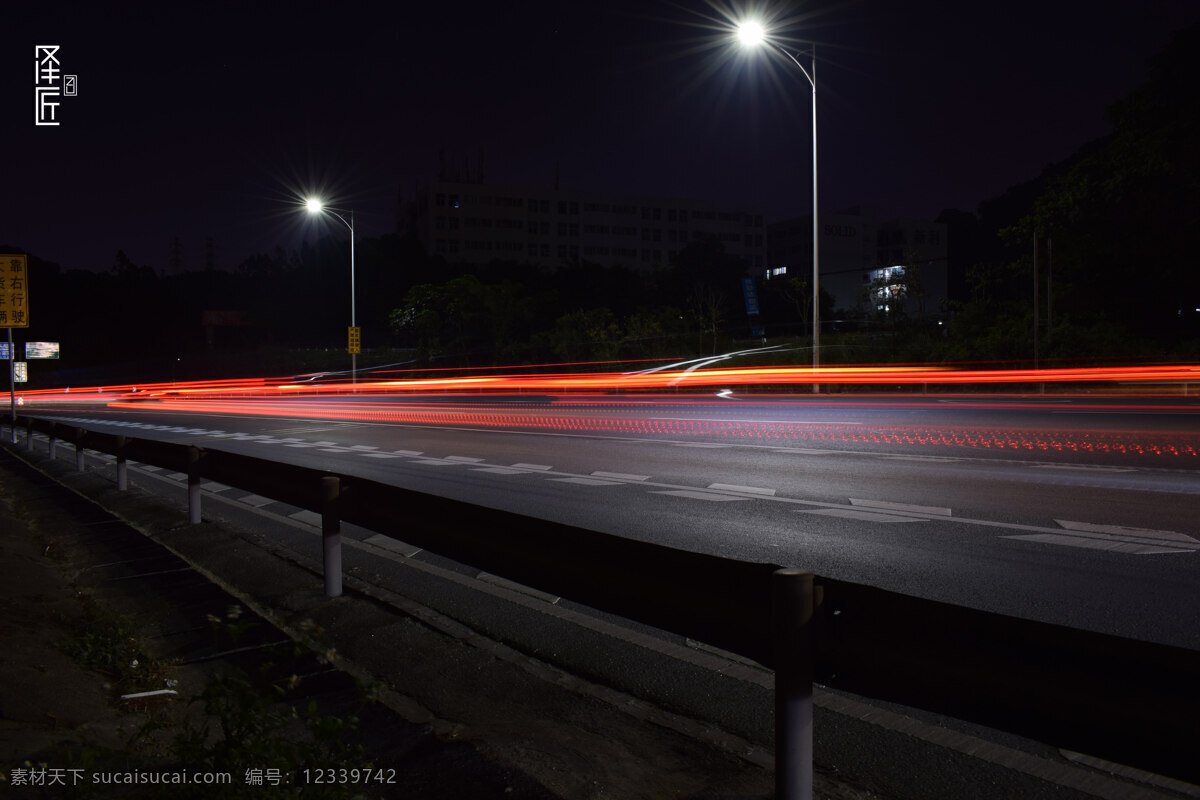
<point x="12" y="388"/>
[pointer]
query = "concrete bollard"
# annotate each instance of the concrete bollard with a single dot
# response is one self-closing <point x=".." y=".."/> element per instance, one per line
<point x="331" y="534"/>
<point x="792" y="610"/>
<point x="194" y="455"/>
<point x="122" y="465"/>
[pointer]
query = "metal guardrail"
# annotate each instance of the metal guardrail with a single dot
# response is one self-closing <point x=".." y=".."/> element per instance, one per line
<point x="1120" y="699"/>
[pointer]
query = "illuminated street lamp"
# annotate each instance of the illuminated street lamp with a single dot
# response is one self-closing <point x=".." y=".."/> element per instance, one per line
<point x="315" y="206"/>
<point x="751" y="33"/>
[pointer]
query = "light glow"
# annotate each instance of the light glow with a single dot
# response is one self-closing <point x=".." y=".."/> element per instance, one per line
<point x="751" y="33"/>
<point x="314" y="205"/>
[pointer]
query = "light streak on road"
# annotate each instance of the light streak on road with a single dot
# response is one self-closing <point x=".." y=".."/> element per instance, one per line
<point x="751" y="378"/>
<point x="615" y="403"/>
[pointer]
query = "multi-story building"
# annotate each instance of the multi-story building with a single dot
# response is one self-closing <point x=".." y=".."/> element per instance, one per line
<point x="866" y="264"/>
<point x="478" y="222"/>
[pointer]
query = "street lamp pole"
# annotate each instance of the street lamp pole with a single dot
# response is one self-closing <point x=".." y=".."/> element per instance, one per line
<point x="315" y="206"/>
<point x="752" y="34"/>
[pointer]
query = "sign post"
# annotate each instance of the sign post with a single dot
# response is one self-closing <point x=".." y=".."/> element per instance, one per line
<point x="14" y="313"/>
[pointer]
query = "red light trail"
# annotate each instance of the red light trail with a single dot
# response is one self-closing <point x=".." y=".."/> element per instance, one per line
<point x="584" y="404"/>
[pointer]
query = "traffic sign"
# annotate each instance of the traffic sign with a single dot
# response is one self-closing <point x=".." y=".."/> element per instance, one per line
<point x="41" y="350"/>
<point x="14" y="291"/>
<point x="750" y="295"/>
<point x="21" y="372"/>
<point x="355" y="340"/>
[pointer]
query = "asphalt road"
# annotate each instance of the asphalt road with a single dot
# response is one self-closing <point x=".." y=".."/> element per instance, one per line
<point x="1073" y="510"/>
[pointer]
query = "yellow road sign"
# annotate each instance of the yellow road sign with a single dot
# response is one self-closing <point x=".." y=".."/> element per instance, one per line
<point x="355" y="343"/>
<point x="14" y="292"/>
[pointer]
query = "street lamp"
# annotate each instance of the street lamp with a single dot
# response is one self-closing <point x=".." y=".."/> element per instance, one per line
<point x="751" y="33"/>
<point x="315" y="206"/>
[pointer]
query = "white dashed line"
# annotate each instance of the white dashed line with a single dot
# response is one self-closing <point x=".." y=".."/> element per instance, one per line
<point x="729" y="487"/>
<point x="585" y="481"/>
<point x="698" y="495"/>
<point x="884" y="505"/>
<point x="864" y="516"/>
<point x="621" y="476"/>
<point x="1082" y="468"/>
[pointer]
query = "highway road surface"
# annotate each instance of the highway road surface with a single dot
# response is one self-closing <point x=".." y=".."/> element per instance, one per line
<point x="1076" y="510"/>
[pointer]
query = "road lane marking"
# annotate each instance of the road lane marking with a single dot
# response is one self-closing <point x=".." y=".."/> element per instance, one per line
<point x="585" y="481"/>
<point x="621" y="476"/>
<point x="731" y="487"/>
<point x="533" y="466"/>
<point x="1082" y="467"/>
<point x="1121" y="530"/>
<point x="884" y="505"/>
<point x="380" y="455"/>
<point x="864" y="516"/>
<point x="501" y="470"/>
<point x="934" y="459"/>
<point x="464" y="459"/>
<point x="698" y="495"/>
<point x="1115" y="538"/>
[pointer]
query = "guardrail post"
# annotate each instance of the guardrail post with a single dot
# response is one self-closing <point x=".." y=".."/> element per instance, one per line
<point x="792" y="609"/>
<point x="50" y="434"/>
<point x="77" y="435"/>
<point x="193" y="472"/>
<point x="331" y="534"/>
<point x="29" y="434"/>
<point x="122" y="465"/>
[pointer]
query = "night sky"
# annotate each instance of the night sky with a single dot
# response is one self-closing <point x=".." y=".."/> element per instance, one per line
<point x="199" y="120"/>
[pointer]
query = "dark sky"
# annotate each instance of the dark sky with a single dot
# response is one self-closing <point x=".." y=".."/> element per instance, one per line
<point x="211" y="119"/>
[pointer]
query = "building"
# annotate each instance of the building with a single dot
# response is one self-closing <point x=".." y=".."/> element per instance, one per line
<point x="474" y="222"/>
<point x="866" y="265"/>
